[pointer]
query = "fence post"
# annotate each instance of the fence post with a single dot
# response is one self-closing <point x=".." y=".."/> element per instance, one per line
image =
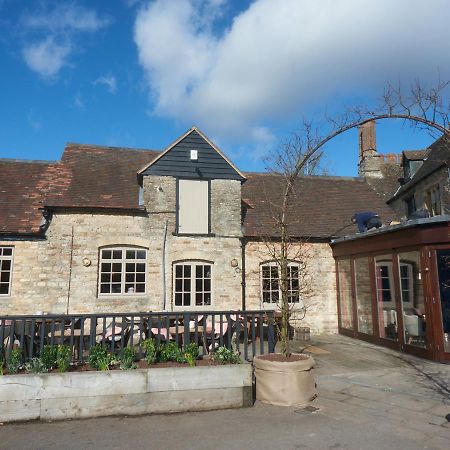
<point x="187" y="331"/>
<point x="271" y="332"/>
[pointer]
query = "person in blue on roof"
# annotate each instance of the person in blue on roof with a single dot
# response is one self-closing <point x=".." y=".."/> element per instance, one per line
<point x="366" y="220"/>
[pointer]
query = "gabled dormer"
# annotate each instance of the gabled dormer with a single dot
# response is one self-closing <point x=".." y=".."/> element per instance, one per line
<point x="193" y="178"/>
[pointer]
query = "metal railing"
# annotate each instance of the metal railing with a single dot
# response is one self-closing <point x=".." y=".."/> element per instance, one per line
<point x="248" y="332"/>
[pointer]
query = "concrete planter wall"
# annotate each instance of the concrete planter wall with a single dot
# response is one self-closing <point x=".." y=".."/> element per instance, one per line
<point x="142" y="391"/>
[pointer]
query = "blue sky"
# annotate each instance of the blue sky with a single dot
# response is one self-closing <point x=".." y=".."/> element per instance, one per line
<point x="140" y="73"/>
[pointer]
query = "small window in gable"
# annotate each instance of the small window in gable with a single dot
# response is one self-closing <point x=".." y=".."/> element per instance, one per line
<point x="193" y="206"/>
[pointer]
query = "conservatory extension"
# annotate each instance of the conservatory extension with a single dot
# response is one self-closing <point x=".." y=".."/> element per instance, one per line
<point x="394" y="286"/>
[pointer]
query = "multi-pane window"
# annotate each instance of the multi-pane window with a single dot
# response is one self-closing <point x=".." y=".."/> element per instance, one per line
<point x="385" y="282"/>
<point x="6" y="260"/>
<point x="271" y="286"/>
<point x="192" y="284"/>
<point x="123" y="270"/>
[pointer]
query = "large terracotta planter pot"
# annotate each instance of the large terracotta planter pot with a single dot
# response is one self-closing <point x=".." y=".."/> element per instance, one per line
<point x="284" y="383"/>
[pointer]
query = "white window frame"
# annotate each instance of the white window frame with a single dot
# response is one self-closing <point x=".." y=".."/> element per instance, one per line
<point x="271" y="279"/>
<point x="193" y="284"/>
<point x="123" y="260"/>
<point x="7" y="258"/>
<point x="388" y="264"/>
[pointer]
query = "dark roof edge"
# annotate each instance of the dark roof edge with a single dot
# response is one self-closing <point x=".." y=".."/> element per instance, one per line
<point x="96" y="208"/>
<point x="12" y="235"/>
<point x="391" y="228"/>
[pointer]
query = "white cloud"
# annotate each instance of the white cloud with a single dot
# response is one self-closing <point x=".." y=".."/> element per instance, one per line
<point x="78" y="101"/>
<point x="33" y="121"/>
<point x="66" y="16"/>
<point x="277" y="58"/>
<point x="108" y="81"/>
<point x="51" y="34"/>
<point x="47" y="57"/>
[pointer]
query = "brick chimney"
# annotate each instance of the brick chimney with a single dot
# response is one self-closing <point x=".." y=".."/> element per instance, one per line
<point x="369" y="165"/>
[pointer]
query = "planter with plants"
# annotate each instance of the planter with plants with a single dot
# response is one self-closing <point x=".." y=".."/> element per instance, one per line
<point x="165" y="380"/>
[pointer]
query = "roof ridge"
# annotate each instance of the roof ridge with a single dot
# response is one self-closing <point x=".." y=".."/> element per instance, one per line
<point x="28" y="161"/>
<point x="324" y="177"/>
<point x="95" y="146"/>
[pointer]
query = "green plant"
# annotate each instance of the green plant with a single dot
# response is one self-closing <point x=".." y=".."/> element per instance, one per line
<point x="63" y="357"/>
<point x="191" y="353"/>
<point x="151" y="350"/>
<point x="225" y="355"/>
<point x="170" y="352"/>
<point x="99" y="358"/>
<point x="36" y="365"/>
<point x="13" y="363"/>
<point x="1" y="366"/>
<point x="49" y="356"/>
<point x="127" y="358"/>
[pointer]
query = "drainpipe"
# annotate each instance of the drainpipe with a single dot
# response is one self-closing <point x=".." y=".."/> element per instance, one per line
<point x="70" y="272"/>
<point x="243" y="244"/>
<point x="163" y="265"/>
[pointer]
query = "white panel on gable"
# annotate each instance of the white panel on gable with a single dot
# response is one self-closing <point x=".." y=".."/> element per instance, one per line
<point x="193" y="208"/>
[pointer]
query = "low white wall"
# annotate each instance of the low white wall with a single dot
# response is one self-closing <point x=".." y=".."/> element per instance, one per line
<point x="143" y="391"/>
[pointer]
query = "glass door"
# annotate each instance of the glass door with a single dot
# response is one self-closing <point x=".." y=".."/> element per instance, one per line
<point x="387" y="311"/>
<point x="443" y="272"/>
<point x="412" y="299"/>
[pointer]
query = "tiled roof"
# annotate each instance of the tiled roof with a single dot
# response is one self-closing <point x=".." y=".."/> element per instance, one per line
<point x="99" y="177"/>
<point x="86" y="176"/>
<point x="103" y="177"/>
<point x="321" y="207"/>
<point x="438" y="156"/>
<point x="22" y="187"/>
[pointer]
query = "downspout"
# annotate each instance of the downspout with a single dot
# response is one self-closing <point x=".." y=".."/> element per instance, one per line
<point x="163" y="265"/>
<point x="70" y="272"/>
<point x="243" y="283"/>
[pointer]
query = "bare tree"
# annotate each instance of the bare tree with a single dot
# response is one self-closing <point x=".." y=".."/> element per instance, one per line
<point x="421" y="107"/>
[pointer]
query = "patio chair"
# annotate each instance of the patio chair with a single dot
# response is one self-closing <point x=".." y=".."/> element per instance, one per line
<point x="413" y="326"/>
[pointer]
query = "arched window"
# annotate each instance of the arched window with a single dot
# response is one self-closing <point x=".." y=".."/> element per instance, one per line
<point x="192" y="283"/>
<point x="271" y="286"/>
<point x="122" y="270"/>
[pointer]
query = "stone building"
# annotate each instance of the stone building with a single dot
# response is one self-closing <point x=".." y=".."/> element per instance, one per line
<point x="109" y="229"/>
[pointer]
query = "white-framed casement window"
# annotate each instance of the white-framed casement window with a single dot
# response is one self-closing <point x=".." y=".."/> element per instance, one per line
<point x="122" y="270"/>
<point x="6" y="265"/>
<point x="193" y="206"/>
<point x="271" y="286"/>
<point x="385" y="283"/>
<point x="192" y="283"/>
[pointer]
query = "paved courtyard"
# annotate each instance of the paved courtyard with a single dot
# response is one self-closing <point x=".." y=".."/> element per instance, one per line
<point x="369" y="398"/>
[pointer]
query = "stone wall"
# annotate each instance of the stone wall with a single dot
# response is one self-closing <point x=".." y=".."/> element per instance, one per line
<point x="320" y="275"/>
<point x="61" y="271"/>
<point x="420" y="189"/>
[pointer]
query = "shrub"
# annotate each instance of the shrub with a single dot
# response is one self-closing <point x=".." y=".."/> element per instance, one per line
<point x="127" y="358"/>
<point x="13" y="363"/>
<point x="225" y="355"/>
<point x="170" y="352"/>
<point x="36" y="365"/>
<point x="1" y="365"/>
<point x="191" y="353"/>
<point x="99" y="358"/>
<point x="151" y="351"/>
<point x="49" y="356"/>
<point x="63" y="357"/>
